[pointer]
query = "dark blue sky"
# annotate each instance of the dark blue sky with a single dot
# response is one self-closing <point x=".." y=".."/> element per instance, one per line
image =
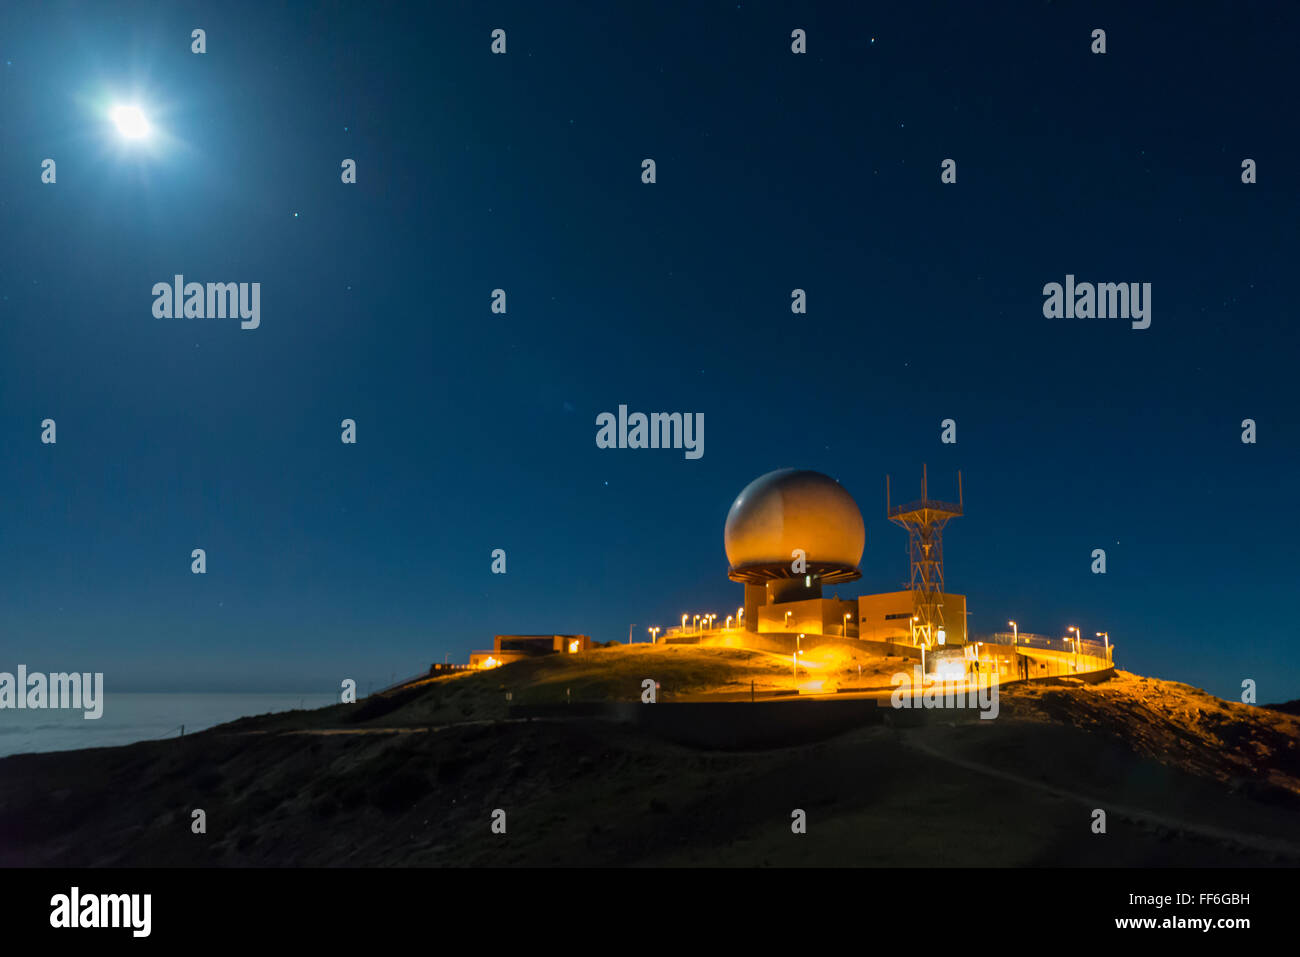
<point x="477" y="431"/>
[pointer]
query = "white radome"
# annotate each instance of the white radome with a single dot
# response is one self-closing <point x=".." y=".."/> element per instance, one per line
<point x="794" y="508"/>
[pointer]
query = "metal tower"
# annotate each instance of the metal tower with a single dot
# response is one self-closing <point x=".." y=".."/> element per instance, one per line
<point x="924" y="521"/>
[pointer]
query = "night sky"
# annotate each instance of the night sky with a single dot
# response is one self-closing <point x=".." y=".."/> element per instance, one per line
<point x="522" y="171"/>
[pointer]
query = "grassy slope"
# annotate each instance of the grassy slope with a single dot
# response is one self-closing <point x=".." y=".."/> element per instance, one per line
<point x="604" y="674"/>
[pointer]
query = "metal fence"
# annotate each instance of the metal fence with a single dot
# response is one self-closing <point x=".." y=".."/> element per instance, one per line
<point x="1024" y="639"/>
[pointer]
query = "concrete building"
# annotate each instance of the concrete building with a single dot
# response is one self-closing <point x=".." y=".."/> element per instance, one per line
<point x="887" y="616"/>
<point x="507" y="648"/>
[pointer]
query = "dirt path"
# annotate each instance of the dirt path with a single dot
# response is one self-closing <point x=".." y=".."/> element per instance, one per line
<point x="1251" y="841"/>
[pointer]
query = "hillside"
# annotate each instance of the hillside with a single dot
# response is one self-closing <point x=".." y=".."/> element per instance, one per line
<point x="1186" y="779"/>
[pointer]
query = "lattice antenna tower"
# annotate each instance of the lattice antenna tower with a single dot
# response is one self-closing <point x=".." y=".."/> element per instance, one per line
<point x="924" y="520"/>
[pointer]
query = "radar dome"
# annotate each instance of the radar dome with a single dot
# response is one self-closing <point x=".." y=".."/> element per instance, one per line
<point x="789" y="509"/>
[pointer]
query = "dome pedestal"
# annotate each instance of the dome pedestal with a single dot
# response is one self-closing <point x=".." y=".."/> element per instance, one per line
<point x="782" y="590"/>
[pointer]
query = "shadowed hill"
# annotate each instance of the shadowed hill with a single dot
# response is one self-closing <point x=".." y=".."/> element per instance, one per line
<point x="1185" y="778"/>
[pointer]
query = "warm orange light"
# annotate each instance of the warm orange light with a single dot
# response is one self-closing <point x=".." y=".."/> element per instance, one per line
<point x="490" y="662"/>
<point x="573" y="647"/>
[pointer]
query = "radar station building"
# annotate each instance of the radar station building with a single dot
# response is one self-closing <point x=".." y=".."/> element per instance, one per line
<point x="791" y="532"/>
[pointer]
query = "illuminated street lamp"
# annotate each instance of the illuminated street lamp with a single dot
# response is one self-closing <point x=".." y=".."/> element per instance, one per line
<point x="1075" y="629"/>
<point x="712" y="619"/>
<point x="1106" y="635"/>
<point x="1015" y="633"/>
<point x="695" y="624"/>
<point x="787" y="618"/>
<point x="740" y="615"/>
<point x="654" y="634"/>
<point x="846" y="623"/>
<point x="684" y="624"/>
<point x="728" y="625"/>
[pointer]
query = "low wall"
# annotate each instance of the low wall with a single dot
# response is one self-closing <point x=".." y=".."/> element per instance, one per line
<point x="783" y="643"/>
<point x="1041" y="662"/>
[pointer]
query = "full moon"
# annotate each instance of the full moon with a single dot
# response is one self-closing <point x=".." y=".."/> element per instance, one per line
<point x="131" y="122"/>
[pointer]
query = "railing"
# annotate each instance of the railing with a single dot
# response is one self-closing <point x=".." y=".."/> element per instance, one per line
<point x="1025" y="639"/>
<point x="933" y="504"/>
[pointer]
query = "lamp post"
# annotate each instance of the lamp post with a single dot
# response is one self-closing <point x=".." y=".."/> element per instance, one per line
<point x="847" y="615"/>
<point x="1075" y="629"/>
<point x="695" y="624"/>
<point x="1015" y="633"/>
<point x="1106" y="635"/>
<point x="654" y="634"/>
<point x="740" y="616"/>
<point x="787" y="618"/>
<point x="684" y="624"/>
<point x="629" y="632"/>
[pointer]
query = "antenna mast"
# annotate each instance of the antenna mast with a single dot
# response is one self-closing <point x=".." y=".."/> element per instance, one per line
<point x="924" y="521"/>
